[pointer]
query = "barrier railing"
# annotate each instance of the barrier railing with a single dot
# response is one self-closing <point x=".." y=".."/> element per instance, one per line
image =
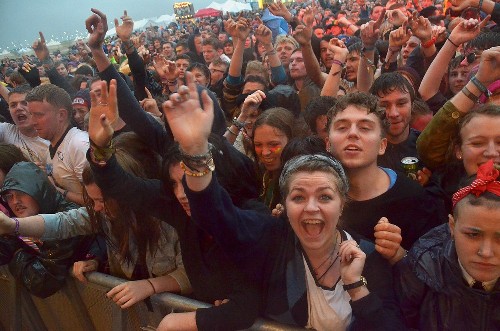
<point x="79" y="306"/>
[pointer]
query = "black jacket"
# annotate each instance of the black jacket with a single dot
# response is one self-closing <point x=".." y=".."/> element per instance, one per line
<point x="433" y="293"/>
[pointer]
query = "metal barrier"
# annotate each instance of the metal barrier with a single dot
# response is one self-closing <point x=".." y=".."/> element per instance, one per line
<point x="79" y="306"/>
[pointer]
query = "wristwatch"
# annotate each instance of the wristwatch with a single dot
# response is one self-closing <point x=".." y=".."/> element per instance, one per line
<point x="361" y="282"/>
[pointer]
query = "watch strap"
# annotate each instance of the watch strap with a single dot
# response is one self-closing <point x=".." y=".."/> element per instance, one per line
<point x="361" y="282"/>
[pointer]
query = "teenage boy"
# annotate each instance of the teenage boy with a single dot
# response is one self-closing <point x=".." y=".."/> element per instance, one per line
<point x="357" y="130"/>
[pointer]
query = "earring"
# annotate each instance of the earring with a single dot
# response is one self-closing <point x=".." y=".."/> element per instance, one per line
<point x="459" y="157"/>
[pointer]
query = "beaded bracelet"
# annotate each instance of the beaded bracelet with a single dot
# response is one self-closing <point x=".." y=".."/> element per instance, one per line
<point x="192" y="173"/>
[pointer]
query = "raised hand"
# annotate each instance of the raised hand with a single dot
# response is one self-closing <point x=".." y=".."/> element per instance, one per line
<point x="399" y="37"/>
<point x="149" y="104"/>
<point x="369" y="34"/>
<point x="230" y="27"/>
<point x="263" y="34"/>
<point x="124" y="31"/>
<point x="338" y="49"/>
<point x="308" y="18"/>
<point x="97" y="25"/>
<point x="166" y="69"/>
<point x="190" y="123"/>
<point x="251" y="103"/>
<point x="103" y="114"/>
<point x="421" y="27"/>
<point x="40" y="48"/>
<point x="396" y="17"/>
<point x="468" y="30"/>
<point x="303" y="35"/>
<point x="279" y="9"/>
<point x="489" y="67"/>
<point x="243" y="28"/>
<point x="127" y="294"/>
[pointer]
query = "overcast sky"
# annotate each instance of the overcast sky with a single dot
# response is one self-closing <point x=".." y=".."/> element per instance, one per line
<point x="21" y="20"/>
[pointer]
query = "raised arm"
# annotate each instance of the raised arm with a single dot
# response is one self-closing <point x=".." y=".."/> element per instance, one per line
<point x="332" y="83"/>
<point x="487" y="6"/>
<point x="265" y="36"/>
<point x="433" y="142"/>
<point x="130" y="110"/>
<point x="370" y="33"/>
<point x="42" y="53"/>
<point x="303" y="35"/>
<point x="463" y="32"/>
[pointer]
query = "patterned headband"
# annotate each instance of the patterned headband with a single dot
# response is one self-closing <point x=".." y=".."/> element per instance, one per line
<point x="485" y="182"/>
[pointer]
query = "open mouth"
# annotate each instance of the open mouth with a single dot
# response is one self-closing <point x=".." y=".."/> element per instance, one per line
<point x="22" y="117"/>
<point x="352" y="148"/>
<point x="313" y="228"/>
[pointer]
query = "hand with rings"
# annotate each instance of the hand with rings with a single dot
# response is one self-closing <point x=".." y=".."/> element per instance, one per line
<point x="103" y="113"/>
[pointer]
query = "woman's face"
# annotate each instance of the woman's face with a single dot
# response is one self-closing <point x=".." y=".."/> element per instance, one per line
<point x="95" y="194"/>
<point x="21" y="204"/>
<point x="268" y="143"/>
<point x="480" y="142"/>
<point x="313" y="206"/>
<point x="476" y="232"/>
<point x="199" y="77"/>
<point x="176" y="173"/>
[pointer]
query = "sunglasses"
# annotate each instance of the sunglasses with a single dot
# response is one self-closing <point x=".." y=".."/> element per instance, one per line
<point x="471" y="57"/>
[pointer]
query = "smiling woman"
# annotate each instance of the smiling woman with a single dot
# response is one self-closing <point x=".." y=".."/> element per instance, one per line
<point x="310" y="273"/>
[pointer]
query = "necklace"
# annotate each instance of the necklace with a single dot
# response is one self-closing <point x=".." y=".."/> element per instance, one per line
<point x="329" y="267"/>
<point x="329" y="257"/>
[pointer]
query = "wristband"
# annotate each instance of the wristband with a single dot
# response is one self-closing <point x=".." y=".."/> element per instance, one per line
<point x="452" y="42"/>
<point x="101" y="154"/>
<point x="469" y="94"/>
<point x="152" y="285"/>
<point x="16" y="229"/>
<point x="480" y="86"/>
<point x="337" y="62"/>
<point x="232" y="132"/>
<point x="240" y="125"/>
<point x="480" y="5"/>
<point x="429" y="43"/>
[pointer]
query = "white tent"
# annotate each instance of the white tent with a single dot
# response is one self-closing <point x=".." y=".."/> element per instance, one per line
<point x="165" y="19"/>
<point x="144" y="23"/>
<point x="52" y="42"/>
<point x="216" y="5"/>
<point x="233" y="6"/>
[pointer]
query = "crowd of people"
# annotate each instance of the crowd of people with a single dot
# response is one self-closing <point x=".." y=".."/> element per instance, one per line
<point x="330" y="165"/>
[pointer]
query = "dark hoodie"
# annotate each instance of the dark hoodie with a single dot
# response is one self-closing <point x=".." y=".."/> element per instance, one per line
<point x="42" y="273"/>
<point x="27" y="177"/>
